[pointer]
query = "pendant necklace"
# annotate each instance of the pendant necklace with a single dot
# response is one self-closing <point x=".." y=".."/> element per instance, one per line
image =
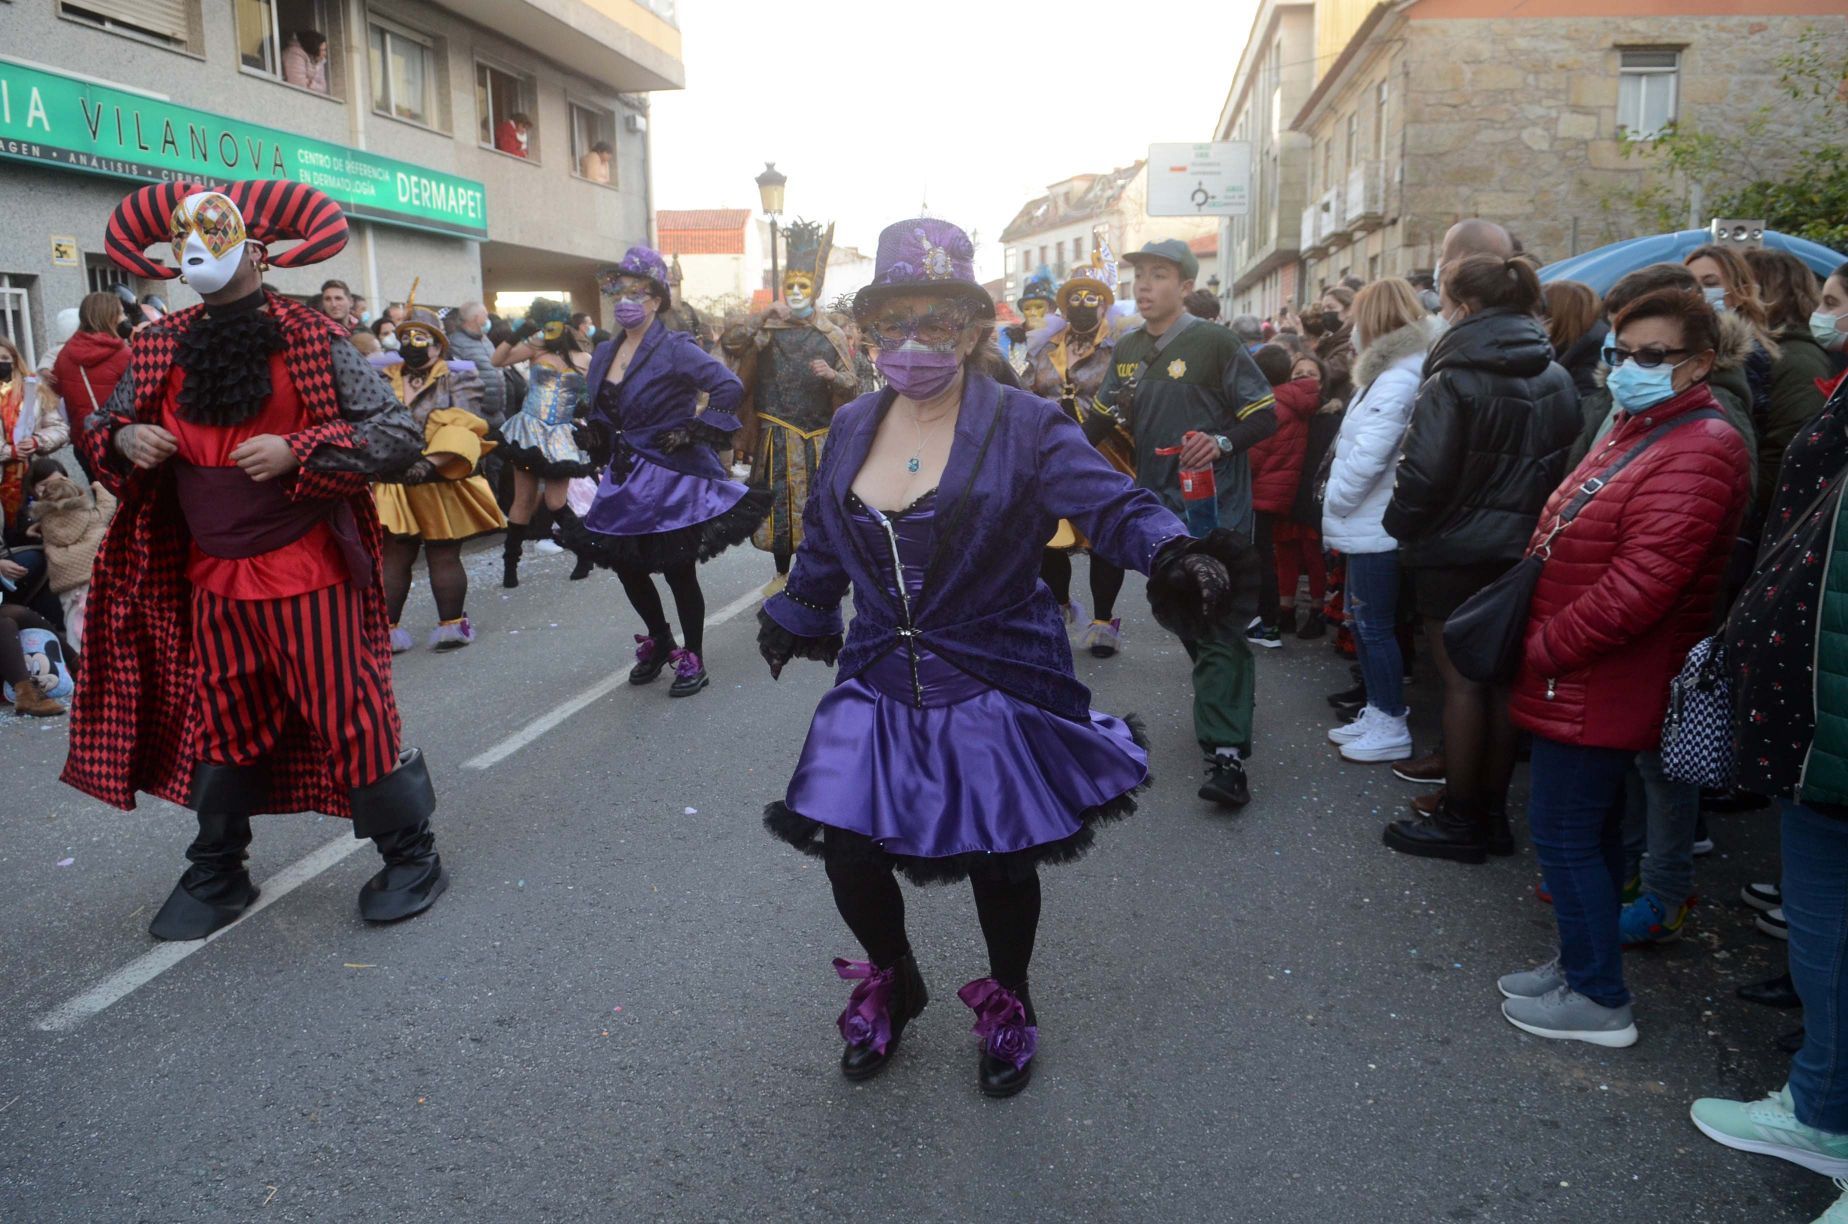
<point x="916" y="461"/>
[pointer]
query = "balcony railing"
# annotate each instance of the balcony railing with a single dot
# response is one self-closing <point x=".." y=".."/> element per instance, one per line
<point x="1329" y="227"/>
<point x="1366" y="195"/>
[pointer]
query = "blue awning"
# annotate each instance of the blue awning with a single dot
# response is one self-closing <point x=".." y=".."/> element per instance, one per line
<point x="1601" y="268"/>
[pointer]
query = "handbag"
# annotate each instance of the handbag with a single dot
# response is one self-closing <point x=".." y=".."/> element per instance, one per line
<point x="1486" y="637"/>
<point x="1697" y="735"/>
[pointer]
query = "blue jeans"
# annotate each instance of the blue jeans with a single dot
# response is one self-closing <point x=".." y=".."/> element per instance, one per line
<point x="1816" y="906"/>
<point x="1373" y="605"/>
<point x="1575" y="814"/>
<point x="1659" y="817"/>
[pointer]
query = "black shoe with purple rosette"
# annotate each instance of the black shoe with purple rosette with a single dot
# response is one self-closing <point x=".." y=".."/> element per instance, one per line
<point x="1009" y="1030"/>
<point x="883" y="1002"/>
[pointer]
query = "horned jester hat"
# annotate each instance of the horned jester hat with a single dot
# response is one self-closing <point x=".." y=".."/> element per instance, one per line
<point x="209" y="227"/>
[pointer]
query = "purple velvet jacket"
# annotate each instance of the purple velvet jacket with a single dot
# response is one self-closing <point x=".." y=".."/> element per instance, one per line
<point x="1017" y="466"/>
<point x="659" y="392"/>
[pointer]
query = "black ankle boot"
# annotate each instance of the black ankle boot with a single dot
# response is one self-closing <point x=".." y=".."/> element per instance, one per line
<point x="651" y="655"/>
<point x="908" y="998"/>
<point x="395" y="813"/>
<point x="216" y="890"/>
<point x="1000" y="1071"/>
<point x="1497" y="834"/>
<point x="1447" y="833"/>
<point x="510" y="555"/>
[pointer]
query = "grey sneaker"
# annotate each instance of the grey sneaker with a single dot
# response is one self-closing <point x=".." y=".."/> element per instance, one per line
<point x="1565" y="1015"/>
<point x="1532" y="983"/>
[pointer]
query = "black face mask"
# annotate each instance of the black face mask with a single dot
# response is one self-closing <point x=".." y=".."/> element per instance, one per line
<point x="416" y="356"/>
<point x="1331" y="322"/>
<point x="1082" y="318"/>
<point x="6" y="371"/>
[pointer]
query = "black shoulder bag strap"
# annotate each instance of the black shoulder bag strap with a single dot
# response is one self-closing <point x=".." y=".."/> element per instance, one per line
<point x="1592" y="484"/>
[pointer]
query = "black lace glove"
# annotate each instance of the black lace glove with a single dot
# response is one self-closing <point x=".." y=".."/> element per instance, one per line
<point x="778" y="645"/>
<point x="678" y="438"/>
<point x="1016" y="334"/>
<point x="1198" y="586"/>
<point x="595" y="438"/>
<point x="1098" y="425"/>
<point x="420" y="472"/>
<point x="526" y="328"/>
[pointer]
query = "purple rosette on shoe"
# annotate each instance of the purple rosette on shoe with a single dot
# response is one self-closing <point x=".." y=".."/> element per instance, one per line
<point x="1000" y="1021"/>
<point x="868" y="1018"/>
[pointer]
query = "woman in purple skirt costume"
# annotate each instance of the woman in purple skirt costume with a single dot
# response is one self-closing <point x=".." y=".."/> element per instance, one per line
<point x="957" y="743"/>
<point x="666" y="501"/>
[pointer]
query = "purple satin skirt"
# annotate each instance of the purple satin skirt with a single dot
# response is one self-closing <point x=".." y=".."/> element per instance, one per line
<point x="651" y="499"/>
<point x="974" y="771"/>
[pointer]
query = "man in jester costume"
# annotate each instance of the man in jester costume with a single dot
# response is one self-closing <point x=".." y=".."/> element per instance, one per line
<point x="237" y="659"/>
<point x="797" y="368"/>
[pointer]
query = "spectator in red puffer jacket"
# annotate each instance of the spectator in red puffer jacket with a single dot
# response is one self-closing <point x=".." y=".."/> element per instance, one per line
<point x="1276" y="471"/>
<point x="1628" y="589"/>
<point x="90" y="364"/>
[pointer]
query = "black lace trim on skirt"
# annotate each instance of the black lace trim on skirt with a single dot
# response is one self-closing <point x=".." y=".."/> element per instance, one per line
<point x="666" y="550"/>
<point x="842" y="845"/>
<point x="527" y="459"/>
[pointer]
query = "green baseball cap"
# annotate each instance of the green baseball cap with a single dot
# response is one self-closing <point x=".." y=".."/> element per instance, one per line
<point x="1171" y="249"/>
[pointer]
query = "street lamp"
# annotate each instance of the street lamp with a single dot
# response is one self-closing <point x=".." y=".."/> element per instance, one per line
<point x="770" y="191"/>
<point x="1212" y="284"/>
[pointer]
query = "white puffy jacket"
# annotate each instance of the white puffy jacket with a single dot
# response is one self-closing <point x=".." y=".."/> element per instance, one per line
<point x="1387" y="372"/>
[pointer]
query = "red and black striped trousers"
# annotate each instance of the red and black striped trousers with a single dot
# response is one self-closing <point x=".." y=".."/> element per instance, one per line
<point x="262" y="661"/>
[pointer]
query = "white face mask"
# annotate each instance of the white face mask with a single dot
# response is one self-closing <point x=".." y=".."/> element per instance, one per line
<point x="1826" y="328"/>
<point x="1716" y="297"/>
<point x="208" y="240"/>
<point x="390" y="342"/>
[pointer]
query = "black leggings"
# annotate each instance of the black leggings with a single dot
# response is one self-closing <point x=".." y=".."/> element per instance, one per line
<point x="1106" y="581"/>
<point x="868" y="898"/>
<point x="689" y="603"/>
<point x="13" y="618"/>
<point x="448" y="580"/>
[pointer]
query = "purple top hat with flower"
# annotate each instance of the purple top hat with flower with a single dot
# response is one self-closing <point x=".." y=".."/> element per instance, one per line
<point x="924" y="255"/>
<point x="637" y="261"/>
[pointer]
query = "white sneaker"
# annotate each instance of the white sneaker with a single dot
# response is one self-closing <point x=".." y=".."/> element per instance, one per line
<point x="1837" y="1214"/>
<point x="1772" y="923"/>
<point x="1347" y="733"/>
<point x="547" y="548"/>
<point x="1385" y="739"/>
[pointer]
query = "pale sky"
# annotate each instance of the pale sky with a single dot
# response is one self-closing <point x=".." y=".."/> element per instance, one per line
<point x="872" y="108"/>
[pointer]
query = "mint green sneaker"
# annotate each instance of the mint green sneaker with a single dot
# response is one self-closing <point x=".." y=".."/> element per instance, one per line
<point x="1770" y="1128"/>
<point x="1838" y="1213"/>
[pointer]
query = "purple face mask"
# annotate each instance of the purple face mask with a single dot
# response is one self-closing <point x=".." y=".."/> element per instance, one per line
<point x="630" y="314"/>
<point x="917" y="371"/>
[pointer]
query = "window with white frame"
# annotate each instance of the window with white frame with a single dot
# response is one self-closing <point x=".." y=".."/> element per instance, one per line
<point x="1381" y="96"/>
<point x="16" y="316"/>
<point x="1647" y="85"/>
<point x="403" y="66"/>
<point x="504" y="109"/>
<point x="593" y="143"/>
<point x="1352" y="148"/>
<point x="296" y="41"/>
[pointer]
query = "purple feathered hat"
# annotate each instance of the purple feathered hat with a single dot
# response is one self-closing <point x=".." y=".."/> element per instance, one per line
<point x="924" y="255"/>
<point x="640" y="261"/>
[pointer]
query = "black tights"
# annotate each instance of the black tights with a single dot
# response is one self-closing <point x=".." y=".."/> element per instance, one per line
<point x="689" y="603"/>
<point x="448" y="580"/>
<point x="1106" y="581"/>
<point x="868" y="898"/>
<point x="1480" y="741"/>
<point x="13" y="618"/>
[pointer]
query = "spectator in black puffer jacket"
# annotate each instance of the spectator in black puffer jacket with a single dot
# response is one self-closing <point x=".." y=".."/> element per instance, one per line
<point x="1487" y="446"/>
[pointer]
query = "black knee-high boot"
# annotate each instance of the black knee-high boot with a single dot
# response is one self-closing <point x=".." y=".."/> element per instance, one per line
<point x="216" y="889"/>
<point x="510" y="554"/>
<point x="395" y="813"/>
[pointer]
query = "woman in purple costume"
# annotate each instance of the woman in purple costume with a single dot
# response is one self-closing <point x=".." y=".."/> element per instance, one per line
<point x="666" y="501"/>
<point x="957" y="743"/>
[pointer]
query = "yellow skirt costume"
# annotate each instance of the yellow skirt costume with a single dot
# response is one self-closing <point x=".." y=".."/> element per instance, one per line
<point x="459" y="506"/>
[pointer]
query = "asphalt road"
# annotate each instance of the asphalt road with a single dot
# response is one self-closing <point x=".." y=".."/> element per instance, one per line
<point x="623" y="1008"/>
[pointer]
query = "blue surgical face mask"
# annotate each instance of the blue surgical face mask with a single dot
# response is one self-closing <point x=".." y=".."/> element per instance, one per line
<point x="1716" y="297"/>
<point x="1826" y="328"/>
<point x="1635" y="389"/>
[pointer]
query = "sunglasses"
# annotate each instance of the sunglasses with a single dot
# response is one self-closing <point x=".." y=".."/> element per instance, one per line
<point x="940" y="326"/>
<point x="1648" y="357"/>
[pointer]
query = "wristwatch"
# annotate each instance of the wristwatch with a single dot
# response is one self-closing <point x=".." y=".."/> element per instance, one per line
<point x="1223" y="443"/>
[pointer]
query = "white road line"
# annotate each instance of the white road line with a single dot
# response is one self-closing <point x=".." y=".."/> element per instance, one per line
<point x="150" y="965"/>
<point x="589" y="697"/>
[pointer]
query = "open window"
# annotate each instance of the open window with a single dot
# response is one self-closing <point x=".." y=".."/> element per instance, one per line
<point x="299" y="42"/>
<point x="504" y="105"/>
<point x="593" y="144"/>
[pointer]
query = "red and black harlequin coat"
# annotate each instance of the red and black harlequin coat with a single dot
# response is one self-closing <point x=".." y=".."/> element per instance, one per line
<point x="130" y="720"/>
